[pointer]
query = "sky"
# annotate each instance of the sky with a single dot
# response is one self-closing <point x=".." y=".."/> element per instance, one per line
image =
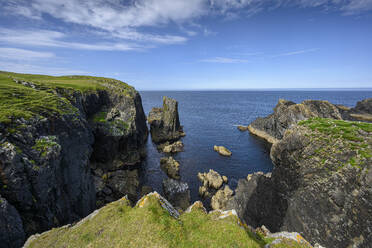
<point x="193" y="44"/>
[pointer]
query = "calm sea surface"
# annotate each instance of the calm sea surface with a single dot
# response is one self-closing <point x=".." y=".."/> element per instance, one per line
<point x="210" y="118"/>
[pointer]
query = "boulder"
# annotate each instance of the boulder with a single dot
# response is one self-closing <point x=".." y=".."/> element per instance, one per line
<point x="242" y="128"/>
<point x="220" y="199"/>
<point x="170" y="166"/>
<point x="177" y="193"/>
<point x="164" y="122"/>
<point x="211" y="179"/>
<point x="171" y="147"/>
<point x="222" y="150"/>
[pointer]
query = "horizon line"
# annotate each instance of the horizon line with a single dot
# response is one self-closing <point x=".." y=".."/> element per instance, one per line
<point x="265" y="89"/>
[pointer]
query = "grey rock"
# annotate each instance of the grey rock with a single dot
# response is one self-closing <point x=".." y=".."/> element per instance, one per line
<point x="287" y="113"/>
<point x="177" y="193"/>
<point x="164" y="122"/>
<point x="11" y="228"/>
<point x="170" y="166"/>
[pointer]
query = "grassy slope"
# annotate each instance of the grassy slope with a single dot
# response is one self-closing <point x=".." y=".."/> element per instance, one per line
<point x="119" y="225"/>
<point x="18" y="100"/>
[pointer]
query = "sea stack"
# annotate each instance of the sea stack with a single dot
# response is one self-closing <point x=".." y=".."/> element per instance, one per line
<point x="164" y="122"/>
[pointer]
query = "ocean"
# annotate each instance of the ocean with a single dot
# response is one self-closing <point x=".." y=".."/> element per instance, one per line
<point x="210" y="118"/>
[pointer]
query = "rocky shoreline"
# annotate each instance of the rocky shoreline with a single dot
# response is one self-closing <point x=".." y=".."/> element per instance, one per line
<point x="61" y="161"/>
<point x="321" y="182"/>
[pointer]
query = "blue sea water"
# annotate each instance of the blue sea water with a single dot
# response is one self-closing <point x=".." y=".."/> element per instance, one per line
<point x="211" y="118"/>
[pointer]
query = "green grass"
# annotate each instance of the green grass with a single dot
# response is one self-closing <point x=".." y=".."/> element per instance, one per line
<point x="43" y="145"/>
<point x="19" y="101"/>
<point x="119" y="225"/>
<point x="339" y="136"/>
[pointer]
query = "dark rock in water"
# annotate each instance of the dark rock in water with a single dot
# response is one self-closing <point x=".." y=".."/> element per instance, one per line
<point x="11" y="228"/>
<point x="319" y="187"/>
<point x="177" y="193"/>
<point x="170" y="166"/>
<point x="287" y="113"/>
<point x="164" y="122"/>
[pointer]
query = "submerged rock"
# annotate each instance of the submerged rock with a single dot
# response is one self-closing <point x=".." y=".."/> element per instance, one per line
<point x="222" y="150"/>
<point x="171" y="167"/>
<point x="164" y="122"/>
<point x="178" y="193"/>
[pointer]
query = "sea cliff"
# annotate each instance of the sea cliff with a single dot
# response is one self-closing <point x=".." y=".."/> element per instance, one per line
<point x="321" y="184"/>
<point x="59" y="137"/>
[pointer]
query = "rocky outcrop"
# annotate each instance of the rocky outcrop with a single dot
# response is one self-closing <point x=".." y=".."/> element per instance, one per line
<point x="320" y="185"/>
<point x="222" y="151"/>
<point x="287" y="114"/>
<point x="170" y="166"/>
<point x="177" y="192"/>
<point x="212" y="181"/>
<point x="361" y="112"/>
<point x="164" y="122"/>
<point x="47" y="151"/>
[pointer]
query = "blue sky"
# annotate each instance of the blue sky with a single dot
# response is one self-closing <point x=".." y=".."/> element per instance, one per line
<point x="193" y="44"/>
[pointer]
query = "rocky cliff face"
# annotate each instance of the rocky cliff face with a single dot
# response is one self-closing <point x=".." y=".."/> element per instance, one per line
<point x="287" y="113"/>
<point x="164" y="122"/>
<point x="49" y="130"/>
<point x="321" y="185"/>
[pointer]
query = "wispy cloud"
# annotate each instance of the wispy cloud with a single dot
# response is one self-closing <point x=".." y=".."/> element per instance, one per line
<point x="47" y="38"/>
<point x="296" y="52"/>
<point x="38" y="69"/>
<point x="22" y="54"/>
<point x="224" y="60"/>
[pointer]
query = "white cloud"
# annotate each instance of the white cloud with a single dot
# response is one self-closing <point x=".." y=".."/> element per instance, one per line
<point x="37" y="69"/>
<point x="22" y="54"/>
<point x="54" y="39"/>
<point x="224" y="60"/>
<point x="296" y="52"/>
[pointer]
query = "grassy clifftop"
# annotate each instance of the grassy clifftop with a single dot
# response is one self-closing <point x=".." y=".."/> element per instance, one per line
<point x="149" y="225"/>
<point x="28" y="95"/>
